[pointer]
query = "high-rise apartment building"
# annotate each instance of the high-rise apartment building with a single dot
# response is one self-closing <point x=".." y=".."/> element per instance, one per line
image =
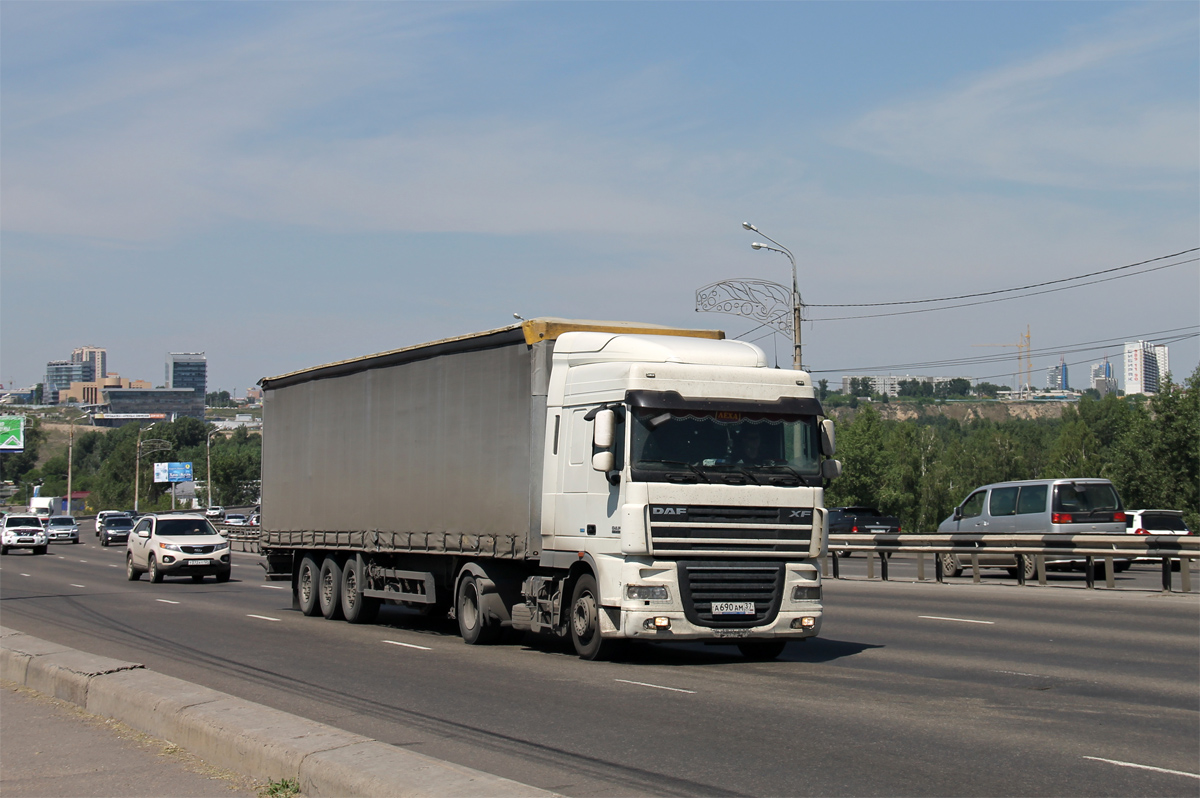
<point x="96" y="356"/>
<point x="1146" y="365"/>
<point x="1057" y="379"/>
<point x="188" y="370"/>
<point x="1102" y="379"/>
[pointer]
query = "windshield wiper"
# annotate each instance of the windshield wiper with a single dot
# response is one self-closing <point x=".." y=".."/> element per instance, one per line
<point x="688" y="466"/>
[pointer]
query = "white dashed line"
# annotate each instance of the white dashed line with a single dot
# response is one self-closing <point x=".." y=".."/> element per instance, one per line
<point x="263" y="618"/>
<point x="75" y="585"/>
<point x="656" y="686"/>
<point x="407" y="645"/>
<point x="1143" y="767"/>
<point x="273" y="587"/>
<point x="167" y="601"/>
<point x="24" y="574"/>
<point x="959" y="620"/>
<point x="1019" y="673"/>
<point x="83" y="560"/>
<point x="110" y="565"/>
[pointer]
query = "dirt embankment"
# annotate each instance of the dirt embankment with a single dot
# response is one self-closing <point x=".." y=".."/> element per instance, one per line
<point x="998" y="412"/>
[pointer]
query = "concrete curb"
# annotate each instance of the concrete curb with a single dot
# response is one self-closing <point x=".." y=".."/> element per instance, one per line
<point x="229" y="732"/>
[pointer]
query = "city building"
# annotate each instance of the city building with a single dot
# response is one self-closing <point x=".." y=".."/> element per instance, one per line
<point x="1145" y="365"/>
<point x="188" y="370"/>
<point x="61" y="373"/>
<point x="96" y="356"/>
<point x="890" y="383"/>
<point x="1056" y="378"/>
<point x="121" y="405"/>
<point x="89" y="393"/>
<point x="1102" y="379"/>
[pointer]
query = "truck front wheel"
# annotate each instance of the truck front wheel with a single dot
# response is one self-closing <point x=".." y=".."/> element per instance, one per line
<point x="584" y="622"/>
<point x="473" y="624"/>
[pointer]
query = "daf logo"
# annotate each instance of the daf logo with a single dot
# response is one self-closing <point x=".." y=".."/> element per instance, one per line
<point x="669" y="510"/>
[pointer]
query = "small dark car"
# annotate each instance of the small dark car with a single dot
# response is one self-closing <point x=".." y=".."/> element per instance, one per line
<point x="114" y="529"/>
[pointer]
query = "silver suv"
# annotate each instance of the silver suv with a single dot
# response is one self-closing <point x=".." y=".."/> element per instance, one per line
<point x="1040" y="507"/>
<point x="176" y="545"/>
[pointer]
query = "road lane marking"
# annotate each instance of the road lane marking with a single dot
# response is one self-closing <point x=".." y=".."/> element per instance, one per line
<point x="1143" y="767"/>
<point x="167" y="601"/>
<point x="407" y="645"/>
<point x="110" y="565"/>
<point x="959" y="620"/>
<point x="263" y="617"/>
<point x="24" y="574"/>
<point x="656" y="686"/>
<point x="273" y="587"/>
<point x="83" y="560"/>
<point x="75" y="585"/>
<point x="1019" y="673"/>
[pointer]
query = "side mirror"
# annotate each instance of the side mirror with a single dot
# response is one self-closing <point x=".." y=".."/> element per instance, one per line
<point x="604" y="461"/>
<point x="831" y="469"/>
<point x="602" y="433"/>
<point x="958" y="514"/>
<point x="145" y="533"/>
<point x="828" y="440"/>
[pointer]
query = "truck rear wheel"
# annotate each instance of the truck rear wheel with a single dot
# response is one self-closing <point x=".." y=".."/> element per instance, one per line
<point x="584" y="622"/>
<point x="306" y="585"/>
<point x="329" y="591"/>
<point x="355" y="606"/>
<point x="473" y="624"/>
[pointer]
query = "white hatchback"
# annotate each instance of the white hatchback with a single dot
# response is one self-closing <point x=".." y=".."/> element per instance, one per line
<point x="176" y="545"/>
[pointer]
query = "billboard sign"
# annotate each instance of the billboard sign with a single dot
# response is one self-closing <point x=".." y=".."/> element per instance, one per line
<point x="172" y="472"/>
<point x="12" y="433"/>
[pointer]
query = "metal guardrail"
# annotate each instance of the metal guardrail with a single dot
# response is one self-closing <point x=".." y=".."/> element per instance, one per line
<point x="1090" y="549"/>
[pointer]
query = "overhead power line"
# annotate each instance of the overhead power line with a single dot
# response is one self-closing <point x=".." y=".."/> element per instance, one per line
<point x="1008" y="290"/>
<point x="1003" y="298"/>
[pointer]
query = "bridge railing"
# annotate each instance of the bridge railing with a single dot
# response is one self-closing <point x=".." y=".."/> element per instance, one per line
<point x="1094" y="554"/>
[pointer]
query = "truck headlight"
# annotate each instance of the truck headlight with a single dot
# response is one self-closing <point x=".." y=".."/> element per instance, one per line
<point x="646" y="592"/>
<point x="805" y="593"/>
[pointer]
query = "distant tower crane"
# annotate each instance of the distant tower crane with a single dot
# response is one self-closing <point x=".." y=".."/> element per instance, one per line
<point x="1024" y="375"/>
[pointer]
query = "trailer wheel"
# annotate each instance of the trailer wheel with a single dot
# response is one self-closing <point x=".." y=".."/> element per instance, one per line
<point x="306" y="585"/>
<point x="329" y="591"/>
<point x="473" y="625"/>
<point x="355" y="606"/>
<point x="585" y="621"/>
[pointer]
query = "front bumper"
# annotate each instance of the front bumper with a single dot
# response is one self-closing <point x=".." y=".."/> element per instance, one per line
<point x="634" y="622"/>
<point x="24" y="542"/>
<point x="63" y="537"/>
<point x="205" y="564"/>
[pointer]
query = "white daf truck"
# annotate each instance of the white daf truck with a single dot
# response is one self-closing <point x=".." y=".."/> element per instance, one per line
<point x="605" y="481"/>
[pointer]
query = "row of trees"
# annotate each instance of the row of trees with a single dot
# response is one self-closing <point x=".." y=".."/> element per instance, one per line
<point x="920" y="470"/>
<point x="104" y="463"/>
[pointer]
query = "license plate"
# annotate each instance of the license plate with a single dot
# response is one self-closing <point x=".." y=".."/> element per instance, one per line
<point x="24" y="540"/>
<point x="199" y="562"/>
<point x="733" y="608"/>
<point x="734" y="633"/>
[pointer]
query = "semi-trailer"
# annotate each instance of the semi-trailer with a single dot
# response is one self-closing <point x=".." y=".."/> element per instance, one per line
<point x="602" y="481"/>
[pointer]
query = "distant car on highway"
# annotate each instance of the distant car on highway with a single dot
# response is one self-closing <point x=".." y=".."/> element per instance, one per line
<point x="62" y="528"/>
<point x="1155" y="522"/>
<point x="103" y="514"/>
<point x="176" y="545"/>
<point x="214" y="512"/>
<point x="255" y="519"/>
<point x="1036" y="506"/>
<point x="23" y="532"/>
<point x="236" y="519"/>
<point x="114" y="529"/>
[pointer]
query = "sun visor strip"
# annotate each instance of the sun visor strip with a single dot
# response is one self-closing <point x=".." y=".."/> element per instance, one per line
<point x="671" y="400"/>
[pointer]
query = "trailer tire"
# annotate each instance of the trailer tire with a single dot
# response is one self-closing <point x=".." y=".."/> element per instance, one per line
<point x="308" y="580"/>
<point x="355" y="606"/>
<point x="584" y="621"/>
<point x="329" y="590"/>
<point x="473" y="624"/>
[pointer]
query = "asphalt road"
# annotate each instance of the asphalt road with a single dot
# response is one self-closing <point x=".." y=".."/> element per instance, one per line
<point x="913" y="689"/>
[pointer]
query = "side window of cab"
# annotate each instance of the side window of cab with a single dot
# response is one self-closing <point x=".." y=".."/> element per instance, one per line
<point x="973" y="506"/>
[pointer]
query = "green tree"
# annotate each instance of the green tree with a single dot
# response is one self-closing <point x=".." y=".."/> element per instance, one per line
<point x="860" y="448"/>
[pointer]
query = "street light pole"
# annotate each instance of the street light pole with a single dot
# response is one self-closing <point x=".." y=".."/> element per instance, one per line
<point x="160" y="446"/>
<point x="796" y="303"/>
<point x="208" y="465"/>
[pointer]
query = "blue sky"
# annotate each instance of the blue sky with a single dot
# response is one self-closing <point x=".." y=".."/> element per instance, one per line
<point x="286" y="184"/>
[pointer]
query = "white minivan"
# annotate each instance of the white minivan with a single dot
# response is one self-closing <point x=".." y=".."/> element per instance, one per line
<point x="1036" y="506"/>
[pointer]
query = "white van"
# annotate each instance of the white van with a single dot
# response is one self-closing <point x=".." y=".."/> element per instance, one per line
<point x="1036" y="506"/>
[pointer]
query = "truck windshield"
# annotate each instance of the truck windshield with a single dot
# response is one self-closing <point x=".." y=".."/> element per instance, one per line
<point x="712" y="445"/>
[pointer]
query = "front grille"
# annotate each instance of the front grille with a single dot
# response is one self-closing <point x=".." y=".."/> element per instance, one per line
<point x="730" y="531"/>
<point x="703" y="582"/>
<point x="197" y="549"/>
